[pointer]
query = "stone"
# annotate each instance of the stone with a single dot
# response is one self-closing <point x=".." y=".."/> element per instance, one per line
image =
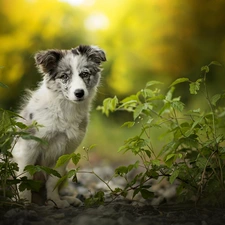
<point x="13" y="212"/>
<point x="32" y="216"/>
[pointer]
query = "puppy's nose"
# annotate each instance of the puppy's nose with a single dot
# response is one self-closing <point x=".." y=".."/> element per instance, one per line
<point x="79" y="93"/>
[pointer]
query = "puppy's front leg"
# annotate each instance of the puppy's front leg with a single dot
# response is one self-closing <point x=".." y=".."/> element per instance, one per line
<point x="23" y="156"/>
<point x="53" y="191"/>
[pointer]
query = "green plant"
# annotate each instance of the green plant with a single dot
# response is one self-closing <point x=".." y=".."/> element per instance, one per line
<point x="193" y="152"/>
<point x="10" y="131"/>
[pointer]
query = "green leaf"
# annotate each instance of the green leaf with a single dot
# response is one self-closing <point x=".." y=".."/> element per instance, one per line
<point x="171" y="158"/>
<point x="75" y="180"/>
<point x="76" y="158"/>
<point x="131" y="98"/>
<point x="178" y="105"/>
<point x="33" y="185"/>
<point x="62" y="160"/>
<point x="205" y="69"/>
<point x="28" y="136"/>
<point x="152" y="174"/>
<point x="179" y="80"/>
<point x="201" y="162"/>
<point x="153" y="82"/>
<point x="121" y="170"/>
<point x="148" y="153"/>
<point x="215" y="99"/>
<point x="50" y="171"/>
<point x="136" y="191"/>
<point x="146" y="194"/>
<point x="109" y="105"/>
<point x="173" y="176"/>
<point x="169" y="94"/>
<point x="21" y="125"/>
<point x="91" y="147"/>
<point x="128" y="124"/>
<point x="138" y="111"/>
<point x="34" y="169"/>
<point x="60" y="181"/>
<point x="71" y="173"/>
<point x="215" y="63"/>
<point x="147" y="93"/>
<point x="190" y="141"/>
<point x="194" y="87"/>
<point x="155" y="162"/>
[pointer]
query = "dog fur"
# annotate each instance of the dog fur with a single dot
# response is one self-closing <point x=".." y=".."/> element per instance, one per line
<point x="61" y="104"/>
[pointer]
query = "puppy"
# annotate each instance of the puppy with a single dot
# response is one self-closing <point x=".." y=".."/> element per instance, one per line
<point x="61" y="104"/>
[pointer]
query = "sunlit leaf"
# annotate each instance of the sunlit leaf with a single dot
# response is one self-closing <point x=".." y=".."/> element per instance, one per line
<point x="178" y="105"/>
<point x="60" y="181"/>
<point x="71" y="173"/>
<point x="76" y="158"/>
<point x="138" y="111"/>
<point x="153" y="82"/>
<point x="205" y="69"/>
<point x="128" y="124"/>
<point x="63" y="160"/>
<point x="179" y="80"/>
<point x="215" y="63"/>
<point x="194" y="87"/>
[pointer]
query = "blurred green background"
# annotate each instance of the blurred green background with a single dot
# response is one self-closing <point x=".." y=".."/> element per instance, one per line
<point x="143" y="39"/>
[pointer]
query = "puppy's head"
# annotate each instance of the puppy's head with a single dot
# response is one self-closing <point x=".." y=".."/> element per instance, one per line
<point x="73" y="73"/>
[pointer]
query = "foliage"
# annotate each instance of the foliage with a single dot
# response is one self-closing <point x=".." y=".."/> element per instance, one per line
<point x="192" y="156"/>
<point x="10" y="131"/>
<point x="193" y="152"/>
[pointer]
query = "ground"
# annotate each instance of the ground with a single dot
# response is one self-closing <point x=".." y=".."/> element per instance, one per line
<point x="117" y="213"/>
<point x="159" y="211"/>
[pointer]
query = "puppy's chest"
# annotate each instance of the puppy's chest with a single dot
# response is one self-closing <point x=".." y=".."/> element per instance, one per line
<point x="72" y="126"/>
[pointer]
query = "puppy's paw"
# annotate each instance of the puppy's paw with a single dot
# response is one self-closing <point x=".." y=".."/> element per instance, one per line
<point x="59" y="203"/>
<point x="72" y="200"/>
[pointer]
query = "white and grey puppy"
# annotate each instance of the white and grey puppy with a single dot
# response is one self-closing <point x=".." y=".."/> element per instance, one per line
<point x="61" y="104"/>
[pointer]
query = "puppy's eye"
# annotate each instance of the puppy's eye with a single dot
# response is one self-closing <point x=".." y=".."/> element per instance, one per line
<point x="84" y="74"/>
<point x="64" y="76"/>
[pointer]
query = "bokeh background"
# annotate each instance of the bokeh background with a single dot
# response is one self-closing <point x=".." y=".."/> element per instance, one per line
<point x="143" y="39"/>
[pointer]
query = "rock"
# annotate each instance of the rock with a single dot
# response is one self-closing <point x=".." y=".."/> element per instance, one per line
<point x="13" y="212"/>
<point x="32" y="216"/>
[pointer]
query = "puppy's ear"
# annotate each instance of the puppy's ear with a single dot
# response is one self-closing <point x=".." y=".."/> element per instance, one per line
<point x="48" y="60"/>
<point x="93" y="53"/>
<point x="99" y="54"/>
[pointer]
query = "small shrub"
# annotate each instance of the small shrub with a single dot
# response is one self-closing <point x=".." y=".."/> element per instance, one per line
<point x="193" y="152"/>
<point x="10" y="131"/>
